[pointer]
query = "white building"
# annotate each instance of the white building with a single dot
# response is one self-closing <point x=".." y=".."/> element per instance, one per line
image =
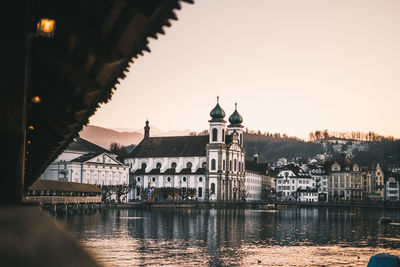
<point x="85" y="162"/>
<point x="213" y="165"/>
<point x="258" y="183"/>
<point x="392" y="189"/>
<point x="292" y="183"/>
<point x="320" y="178"/>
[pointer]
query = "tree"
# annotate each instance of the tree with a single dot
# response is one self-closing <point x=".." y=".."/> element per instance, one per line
<point x="121" y="190"/>
<point x="119" y="150"/>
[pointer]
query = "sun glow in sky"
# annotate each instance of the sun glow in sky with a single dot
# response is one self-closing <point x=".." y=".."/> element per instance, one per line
<point x="293" y="67"/>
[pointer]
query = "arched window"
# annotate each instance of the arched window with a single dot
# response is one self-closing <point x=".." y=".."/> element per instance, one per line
<point x="230" y="165"/>
<point x="144" y="166"/>
<point x="223" y="135"/>
<point x="214" y="135"/>
<point x="158" y="166"/>
<point x="200" y="190"/>
<point x="200" y="179"/>
<point x="153" y="179"/>
<point x="173" y="165"/>
<point x="203" y="165"/>
<point x="234" y="165"/>
<point x="223" y="165"/>
<point x="212" y="188"/>
<point x="168" y="179"/>
<point x="189" y="165"/>
<point x="213" y="164"/>
<point x="184" y="179"/>
<point x="138" y="179"/>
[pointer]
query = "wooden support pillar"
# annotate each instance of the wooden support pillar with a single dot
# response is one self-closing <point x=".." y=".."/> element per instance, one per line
<point x="13" y="89"/>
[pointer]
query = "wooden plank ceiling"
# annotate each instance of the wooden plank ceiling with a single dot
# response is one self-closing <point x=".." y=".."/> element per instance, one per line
<point x="79" y="67"/>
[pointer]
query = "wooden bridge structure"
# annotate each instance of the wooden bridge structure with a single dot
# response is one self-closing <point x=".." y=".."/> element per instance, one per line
<point x="60" y="197"/>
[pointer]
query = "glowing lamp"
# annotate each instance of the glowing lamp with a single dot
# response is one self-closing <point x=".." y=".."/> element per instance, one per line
<point x="28" y="142"/>
<point x="36" y="99"/>
<point x="46" y="27"/>
<point x="30" y="127"/>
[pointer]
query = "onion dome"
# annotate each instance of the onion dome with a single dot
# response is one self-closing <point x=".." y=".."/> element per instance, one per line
<point x="235" y="119"/>
<point x="217" y="113"/>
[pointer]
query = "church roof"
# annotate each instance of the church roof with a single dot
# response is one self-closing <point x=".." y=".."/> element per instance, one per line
<point x="175" y="146"/>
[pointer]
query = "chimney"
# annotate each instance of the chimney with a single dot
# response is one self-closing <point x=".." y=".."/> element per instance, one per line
<point x="147" y="130"/>
<point x="256" y="158"/>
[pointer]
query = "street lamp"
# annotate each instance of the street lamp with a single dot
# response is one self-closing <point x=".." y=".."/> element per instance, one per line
<point x="46" y="27"/>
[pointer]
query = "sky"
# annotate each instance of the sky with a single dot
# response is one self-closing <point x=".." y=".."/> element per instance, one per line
<point x="292" y="66"/>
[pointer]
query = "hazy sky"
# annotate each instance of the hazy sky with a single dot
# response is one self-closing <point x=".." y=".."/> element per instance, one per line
<point x="293" y="66"/>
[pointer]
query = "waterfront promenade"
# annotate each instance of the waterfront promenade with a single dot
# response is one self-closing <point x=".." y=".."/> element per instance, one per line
<point x="251" y="205"/>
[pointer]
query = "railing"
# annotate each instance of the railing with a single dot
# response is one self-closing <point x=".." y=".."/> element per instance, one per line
<point x="63" y="199"/>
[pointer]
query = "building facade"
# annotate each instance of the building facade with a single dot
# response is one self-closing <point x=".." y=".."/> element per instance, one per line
<point x="85" y="162"/>
<point x="213" y="165"/>
<point x="292" y="183"/>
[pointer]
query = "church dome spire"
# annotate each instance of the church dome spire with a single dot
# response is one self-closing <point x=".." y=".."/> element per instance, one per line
<point x="235" y="119"/>
<point x="217" y="113"/>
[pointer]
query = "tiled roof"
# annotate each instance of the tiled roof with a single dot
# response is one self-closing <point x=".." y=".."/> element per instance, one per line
<point x="63" y="186"/>
<point x="80" y="144"/>
<point x="175" y="146"/>
<point x="85" y="157"/>
<point x="260" y="168"/>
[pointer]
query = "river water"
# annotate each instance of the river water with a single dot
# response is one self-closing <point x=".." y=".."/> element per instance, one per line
<point x="241" y="237"/>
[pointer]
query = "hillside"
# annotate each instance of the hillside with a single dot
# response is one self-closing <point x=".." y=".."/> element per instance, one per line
<point x="270" y="149"/>
<point x="104" y="137"/>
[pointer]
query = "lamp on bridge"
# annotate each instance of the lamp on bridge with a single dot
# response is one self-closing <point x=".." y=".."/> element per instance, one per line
<point x="46" y="27"/>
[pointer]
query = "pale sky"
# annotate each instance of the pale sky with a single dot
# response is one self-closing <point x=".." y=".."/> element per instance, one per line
<point x="293" y="66"/>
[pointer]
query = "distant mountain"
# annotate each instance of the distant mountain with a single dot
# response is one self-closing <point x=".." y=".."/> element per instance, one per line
<point x="154" y="131"/>
<point x="104" y="137"/>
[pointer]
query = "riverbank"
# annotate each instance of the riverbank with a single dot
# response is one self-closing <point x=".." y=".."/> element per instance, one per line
<point x="245" y="205"/>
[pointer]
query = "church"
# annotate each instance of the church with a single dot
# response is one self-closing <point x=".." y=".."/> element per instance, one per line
<point x="213" y="164"/>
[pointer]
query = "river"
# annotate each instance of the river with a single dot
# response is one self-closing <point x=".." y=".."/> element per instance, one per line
<point x="242" y="237"/>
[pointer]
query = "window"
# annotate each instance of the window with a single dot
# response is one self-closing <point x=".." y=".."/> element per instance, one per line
<point x="189" y="165"/>
<point x="212" y="188"/>
<point x="173" y="165"/>
<point x="184" y="179"/>
<point x="203" y="165"/>
<point x="223" y="135"/>
<point x="153" y="179"/>
<point x="214" y="135"/>
<point x="213" y="164"/>
<point x="234" y="164"/>
<point x="200" y="179"/>
<point x="200" y="194"/>
<point x="144" y="166"/>
<point x="138" y="179"/>
<point x="169" y="179"/>
<point x="230" y="165"/>
<point x="158" y="166"/>
<point x="223" y="165"/>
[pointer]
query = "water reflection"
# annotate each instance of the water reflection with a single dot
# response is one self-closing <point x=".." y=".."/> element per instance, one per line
<point x="319" y="236"/>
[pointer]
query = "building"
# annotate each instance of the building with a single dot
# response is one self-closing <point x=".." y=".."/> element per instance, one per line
<point x="320" y="176"/>
<point x="213" y="165"/>
<point x="292" y="183"/>
<point x="345" y="181"/>
<point x="374" y="178"/>
<point x="392" y="187"/>
<point x="85" y="162"/>
<point x="258" y="183"/>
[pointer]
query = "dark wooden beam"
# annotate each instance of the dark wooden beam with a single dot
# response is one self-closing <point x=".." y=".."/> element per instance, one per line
<point x="13" y="102"/>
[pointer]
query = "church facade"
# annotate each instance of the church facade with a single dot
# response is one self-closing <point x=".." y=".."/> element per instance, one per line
<point x="213" y="164"/>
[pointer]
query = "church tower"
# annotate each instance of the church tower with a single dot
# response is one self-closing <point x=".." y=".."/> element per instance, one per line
<point x="147" y="130"/>
<point x="234" y="185"/>
<point x="235" y="125"/>
<point x="215" y="152"/>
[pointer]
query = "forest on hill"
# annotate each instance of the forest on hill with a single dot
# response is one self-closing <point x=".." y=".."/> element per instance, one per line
<point x="272" y="147"/>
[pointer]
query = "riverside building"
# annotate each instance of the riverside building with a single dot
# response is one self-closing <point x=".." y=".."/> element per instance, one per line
<point x="213" y="164"/>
